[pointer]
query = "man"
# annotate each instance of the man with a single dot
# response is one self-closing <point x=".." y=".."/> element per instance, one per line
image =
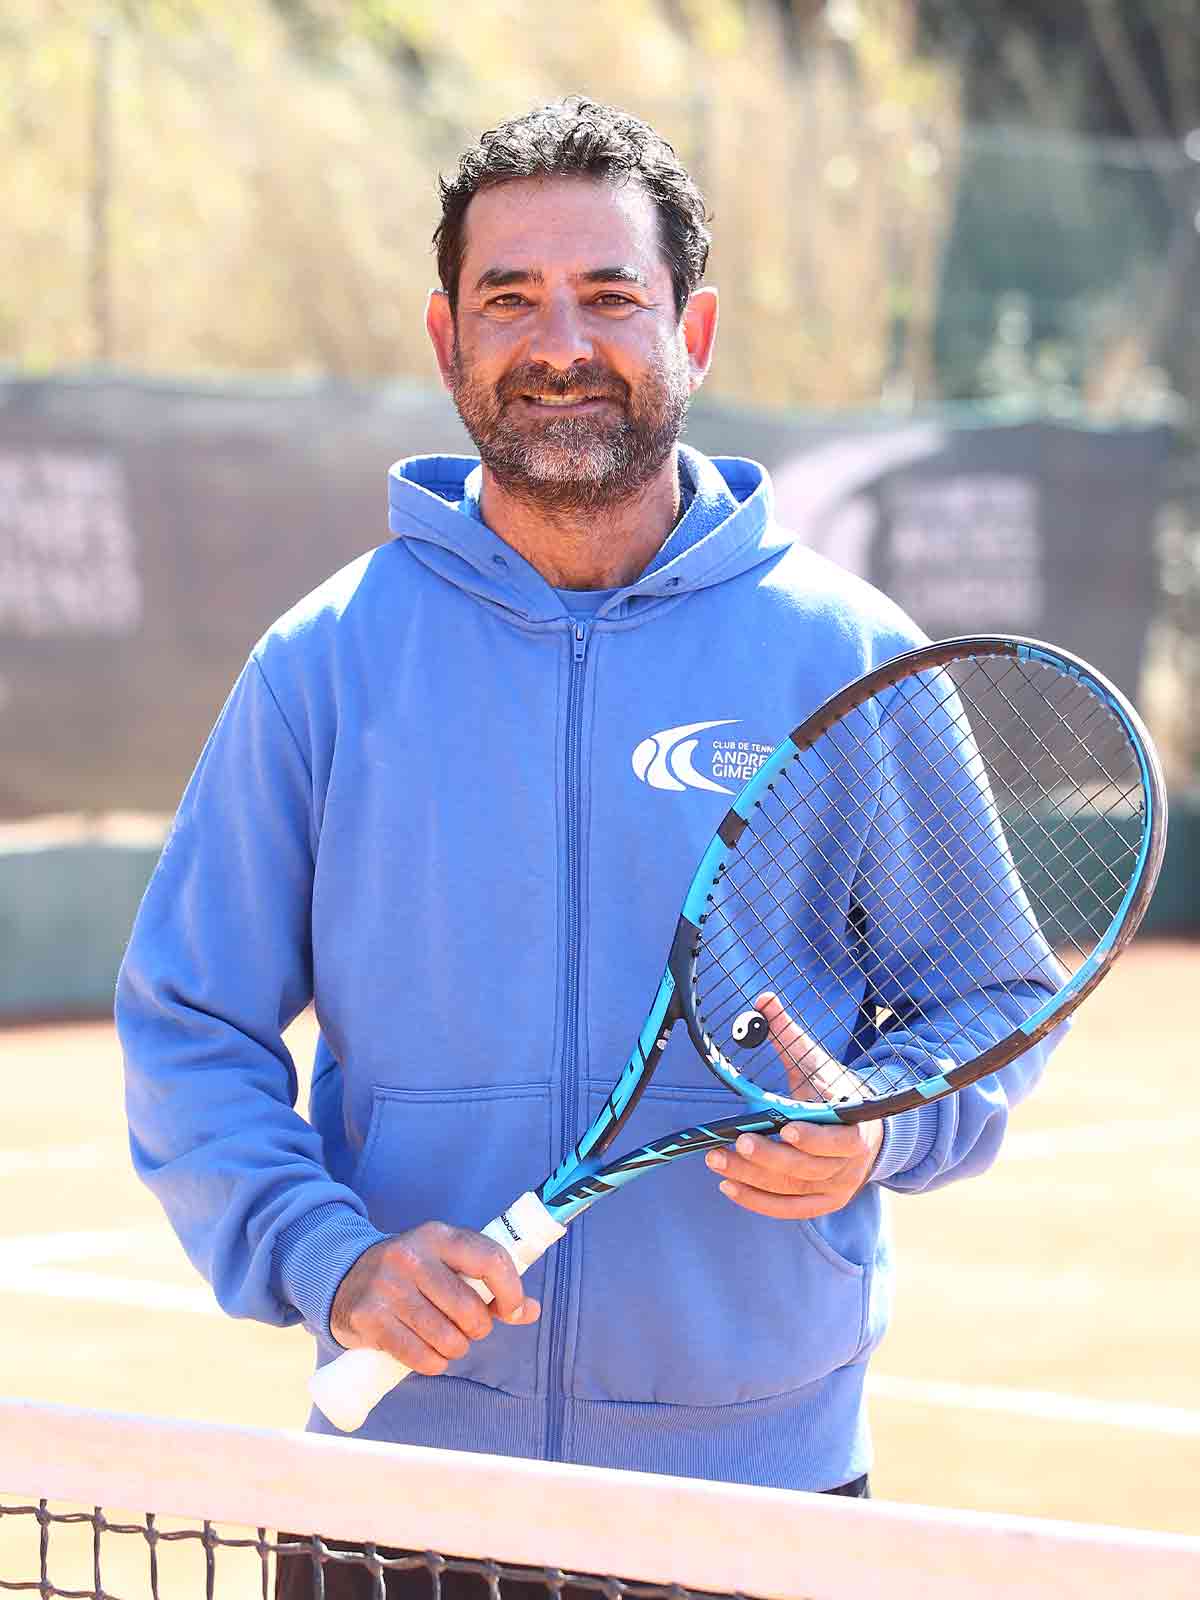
<point x="420" y="807"/>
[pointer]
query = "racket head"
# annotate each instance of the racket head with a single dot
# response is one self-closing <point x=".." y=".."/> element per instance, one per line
<point x="928" y="875"/>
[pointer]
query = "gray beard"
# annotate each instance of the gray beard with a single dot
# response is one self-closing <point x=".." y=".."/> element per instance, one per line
<point x="575" y="464"/>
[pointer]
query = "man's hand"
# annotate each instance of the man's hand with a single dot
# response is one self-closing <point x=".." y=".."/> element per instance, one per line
<point x="406" y="1295"/>
<point x="812" y="1168"/>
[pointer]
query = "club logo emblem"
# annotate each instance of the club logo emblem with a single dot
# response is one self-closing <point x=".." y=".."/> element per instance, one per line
<point x="664" y="760"/>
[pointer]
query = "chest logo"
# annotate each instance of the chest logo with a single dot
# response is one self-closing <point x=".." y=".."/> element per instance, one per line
<point x="664" y="760"/>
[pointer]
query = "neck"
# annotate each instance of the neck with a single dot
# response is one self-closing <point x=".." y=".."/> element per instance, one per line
<point x="605" y="548"/>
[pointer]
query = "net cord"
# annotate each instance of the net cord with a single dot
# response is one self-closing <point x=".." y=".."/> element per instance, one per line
<point x="773" y="1543"/>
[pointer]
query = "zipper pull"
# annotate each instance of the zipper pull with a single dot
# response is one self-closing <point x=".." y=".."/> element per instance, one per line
<point x="581" y="638"/>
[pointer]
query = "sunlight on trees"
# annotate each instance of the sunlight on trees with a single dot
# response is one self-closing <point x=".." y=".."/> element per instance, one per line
<point x="269" y="184"/>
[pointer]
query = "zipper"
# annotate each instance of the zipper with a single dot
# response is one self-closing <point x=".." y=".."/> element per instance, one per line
<point x="570" y="1079"/>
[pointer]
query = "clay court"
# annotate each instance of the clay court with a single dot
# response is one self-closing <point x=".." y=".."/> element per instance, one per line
<point x="1043" y="1351"/>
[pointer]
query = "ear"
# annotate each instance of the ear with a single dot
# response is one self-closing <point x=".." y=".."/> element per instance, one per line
<point x="439" y="325"/>
<point x="700" y="332"/>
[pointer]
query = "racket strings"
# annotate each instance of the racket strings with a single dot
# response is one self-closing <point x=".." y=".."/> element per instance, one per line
<point x="1126" y="790"/>
<point x="1067" y="876"/>
<point x="792" y="847"/>
<point x="724" y="1003"/>
<point x="797" y="1053"/>
<point x="1080" y="731"/>
<point x="1072" y="695"/>
<point x="796" y="1058"/>
<point x="1015" y="808"/>
<point x="1018" y="801"/>
<point x="1127" y="804"/>
<point x="791" y="813"/>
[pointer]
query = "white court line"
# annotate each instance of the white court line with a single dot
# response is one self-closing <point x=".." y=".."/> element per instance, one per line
<point x="37" y="1249"/>
<point x="59" y="1283"/>
<point x="60" y="1158"/>
<point x="1145" y="1418"/>
<point x="25" y="1266"/>
<point x="1096" y="1139"/>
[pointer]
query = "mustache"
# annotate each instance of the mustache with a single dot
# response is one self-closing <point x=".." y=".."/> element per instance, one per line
<point x="584" y="382"/>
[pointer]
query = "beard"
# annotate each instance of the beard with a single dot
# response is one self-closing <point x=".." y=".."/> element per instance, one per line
<point x="573" y="464"/>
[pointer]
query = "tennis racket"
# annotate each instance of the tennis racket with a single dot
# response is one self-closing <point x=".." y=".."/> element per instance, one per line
<point x="926" y="877"/>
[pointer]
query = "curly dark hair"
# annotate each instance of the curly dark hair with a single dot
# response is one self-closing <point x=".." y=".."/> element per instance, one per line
<point x="578" y="137"/>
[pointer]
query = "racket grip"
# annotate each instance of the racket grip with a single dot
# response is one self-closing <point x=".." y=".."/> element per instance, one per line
<point x="351" y="1386"/>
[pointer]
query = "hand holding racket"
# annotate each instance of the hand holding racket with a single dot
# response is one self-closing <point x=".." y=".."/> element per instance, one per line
<point x="809" y="1170"/>
<point x="926" y="877"/>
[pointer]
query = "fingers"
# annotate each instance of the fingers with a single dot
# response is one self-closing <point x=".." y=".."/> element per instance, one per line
<point x="813" y="1074"/>
<point x="806" y="1172"/>
<point x="471" y="1255"/>
<point x="407" y="1295"/>
<point x="811" y="1168"/>
<point x="784" y="1207"/>
<point x="784" y="1168"/>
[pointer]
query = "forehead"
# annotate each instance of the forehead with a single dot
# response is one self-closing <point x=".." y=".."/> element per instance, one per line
<point x="562" y="225"/>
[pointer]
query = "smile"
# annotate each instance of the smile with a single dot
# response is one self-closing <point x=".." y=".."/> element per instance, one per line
<point x="586" y="402"/>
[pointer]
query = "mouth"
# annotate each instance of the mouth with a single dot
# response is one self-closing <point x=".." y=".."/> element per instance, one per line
<point x="565" y="404"/>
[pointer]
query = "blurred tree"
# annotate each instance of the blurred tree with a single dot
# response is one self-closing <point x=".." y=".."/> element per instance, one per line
<point x="262" y="194"/>
<point x="1087" y="260"/>
<point x="833" y="152"/>
<point x="1096" y="225"/>
<point x="252" y="187"/>
<point x="194" y="186"/>
<point x="1082" y="231"/>
<point x="1126" y="67"/>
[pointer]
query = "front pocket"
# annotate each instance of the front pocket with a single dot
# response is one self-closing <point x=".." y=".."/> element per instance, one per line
<point x="686" y="1299"/>
<point x="461" y="1156"/>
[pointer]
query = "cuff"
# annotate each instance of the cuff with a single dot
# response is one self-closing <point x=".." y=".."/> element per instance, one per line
<point x="907" y="1140"/>
<point x="312" y="1256"/>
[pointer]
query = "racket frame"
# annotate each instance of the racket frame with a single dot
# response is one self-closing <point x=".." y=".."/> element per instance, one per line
<point x="348" y="1388"/>
<point x="582" y="1176"/>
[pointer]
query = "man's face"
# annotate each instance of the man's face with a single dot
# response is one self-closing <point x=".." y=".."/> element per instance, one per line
<point x="569" y="366"/>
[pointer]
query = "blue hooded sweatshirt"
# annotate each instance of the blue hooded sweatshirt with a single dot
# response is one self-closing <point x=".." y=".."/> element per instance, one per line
<point x="460" y="817"/>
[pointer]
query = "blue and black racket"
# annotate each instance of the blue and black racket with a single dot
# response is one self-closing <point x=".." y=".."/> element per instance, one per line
<point x="923" y="879"/>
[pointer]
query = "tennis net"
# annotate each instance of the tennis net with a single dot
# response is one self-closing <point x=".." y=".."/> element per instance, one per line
<point x="441" y="1524"/>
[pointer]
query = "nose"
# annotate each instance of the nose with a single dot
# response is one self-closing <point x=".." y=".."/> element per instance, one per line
<point x="559" y="338"/>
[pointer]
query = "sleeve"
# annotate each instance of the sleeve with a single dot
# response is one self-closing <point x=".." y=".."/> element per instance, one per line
<point x="219" y="963"/>
<point x="954" y="957"/>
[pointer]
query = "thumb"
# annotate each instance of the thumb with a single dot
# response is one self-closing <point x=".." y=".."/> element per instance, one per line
<point x="812" y="1073"/>
<point x="528" y="1311"/>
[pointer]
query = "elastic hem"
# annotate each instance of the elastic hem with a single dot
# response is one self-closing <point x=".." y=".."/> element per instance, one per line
<point x="313" y="1255"/>
<point x="907" y="1139"/>
<point x="815" y="1438"/>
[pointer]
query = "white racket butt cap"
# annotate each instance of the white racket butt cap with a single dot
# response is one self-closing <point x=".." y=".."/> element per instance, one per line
<point x="347" y="1389"/>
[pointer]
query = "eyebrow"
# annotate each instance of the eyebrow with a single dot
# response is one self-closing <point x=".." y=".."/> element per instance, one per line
<point x="505" y="277"/>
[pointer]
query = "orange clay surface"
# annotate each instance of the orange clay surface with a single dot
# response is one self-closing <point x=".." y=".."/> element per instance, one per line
<point x="1044" y="1356"/>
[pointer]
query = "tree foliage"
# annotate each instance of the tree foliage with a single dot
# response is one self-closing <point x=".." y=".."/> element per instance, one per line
<point x="267" y="185"/>
<point x="912" y="200"/>
<point x="202" y="186"/>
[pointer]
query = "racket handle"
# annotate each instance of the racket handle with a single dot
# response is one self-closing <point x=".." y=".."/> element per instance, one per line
<point x="347" y="1389"/>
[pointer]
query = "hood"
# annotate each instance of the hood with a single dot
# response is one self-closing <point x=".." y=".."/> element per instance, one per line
<point x="728" y="528"/>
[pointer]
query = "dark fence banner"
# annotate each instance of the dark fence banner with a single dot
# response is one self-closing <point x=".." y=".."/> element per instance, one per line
<point x="150" y="532"/>
<point x="1034" y="528"/>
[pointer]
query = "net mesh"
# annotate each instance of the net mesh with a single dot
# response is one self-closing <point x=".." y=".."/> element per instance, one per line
<point x="392" y="1520"/>
<point x="294" y="1516"/>
<point x="915" y="884"/>
<point x="93" y="1554"/>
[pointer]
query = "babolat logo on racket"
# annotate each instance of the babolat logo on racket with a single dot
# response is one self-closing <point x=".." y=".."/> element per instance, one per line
<point x="667" y="760"/>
